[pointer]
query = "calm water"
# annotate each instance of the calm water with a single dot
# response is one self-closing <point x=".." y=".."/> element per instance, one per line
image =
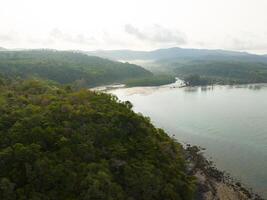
<point x="229" y="121"/>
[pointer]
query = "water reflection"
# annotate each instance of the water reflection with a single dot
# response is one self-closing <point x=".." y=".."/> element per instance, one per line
<point x="150" y="90"/>
<point x="206" y="88"/>
<point x="198" y="89"/>
<point x="248" y="86"/>
<point x="210" y="88"/>
<point x="230" y="121"/>
<point x="255" y="87"/>
<point x="191" y="89"/>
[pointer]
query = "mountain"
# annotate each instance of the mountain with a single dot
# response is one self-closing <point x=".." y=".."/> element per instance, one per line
<point x="2" y="49"/>
<point x="218" y="66"/>
<point x="175" y="53"/>
<point x="67" y="67"/>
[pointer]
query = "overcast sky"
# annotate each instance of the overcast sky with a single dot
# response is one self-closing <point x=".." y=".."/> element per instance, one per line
<point x="134" y="24"/>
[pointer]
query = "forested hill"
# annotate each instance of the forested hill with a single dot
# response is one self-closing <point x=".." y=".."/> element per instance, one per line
<point x="177" y="53"/>
<point x="212" y="66"/>
<point x="59" y="144"/>
<point x="67" y="67"/>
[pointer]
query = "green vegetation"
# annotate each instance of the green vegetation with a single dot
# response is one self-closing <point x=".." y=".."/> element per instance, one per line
<point x="194" y="80"/>
<point x="213" y="66"/>
<point x="58" y="144"/>
<point x="223" y="72"/>
<point x="67" y="67"/>
<point x="155" y="80"/>
<point x="80" y="70"/>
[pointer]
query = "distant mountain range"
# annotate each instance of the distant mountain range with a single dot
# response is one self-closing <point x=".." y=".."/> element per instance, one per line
<point x="2" y="49"/>
<point x="176" y="53"/>
<point x="218" y="66"/>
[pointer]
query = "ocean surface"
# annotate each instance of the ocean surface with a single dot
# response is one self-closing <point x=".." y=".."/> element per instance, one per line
<point x="229" y="121"/>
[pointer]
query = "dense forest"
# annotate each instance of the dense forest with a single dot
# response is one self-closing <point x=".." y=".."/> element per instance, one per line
<point x="67" y="67"/>
<point x="81" y="70"/>
<point x="223" y="72"/>
<point x="212" y="66"/>
<point x="58" y="144"/>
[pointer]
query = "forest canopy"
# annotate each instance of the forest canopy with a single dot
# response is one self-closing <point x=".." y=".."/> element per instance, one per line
<point x="67" y="67"/>
<point x="58" y="144"/>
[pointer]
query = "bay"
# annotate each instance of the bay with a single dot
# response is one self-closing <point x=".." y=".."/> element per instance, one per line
<point x="229" y="121"/>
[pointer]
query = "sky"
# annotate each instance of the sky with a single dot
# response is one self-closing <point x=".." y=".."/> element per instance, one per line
<point x="134" y="24"/>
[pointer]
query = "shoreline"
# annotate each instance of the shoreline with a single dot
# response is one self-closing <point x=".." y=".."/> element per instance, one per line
<point x="177" y="84"/>
<point x="213" y="183"/>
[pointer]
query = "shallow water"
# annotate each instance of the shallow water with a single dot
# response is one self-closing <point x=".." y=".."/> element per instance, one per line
<point x="229" y="121"/>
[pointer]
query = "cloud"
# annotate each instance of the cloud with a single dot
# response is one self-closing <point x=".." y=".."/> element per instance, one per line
<point x="134" y="31"/>
<point x="10" y="37"/>
<point x="157" y="34"/>
<point x="243" y="44"/>
<point x="58" y="35"/>
<point x="248" y="41"/>
<point x="52" y="39"/>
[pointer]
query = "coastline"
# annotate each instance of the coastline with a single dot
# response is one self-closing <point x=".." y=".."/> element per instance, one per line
<point x="213" y="184"/>
<point x="105" y="88"/>
<point x="177" y="84"/>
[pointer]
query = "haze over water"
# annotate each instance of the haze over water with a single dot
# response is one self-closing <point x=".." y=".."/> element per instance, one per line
<point x="229" y="121"/>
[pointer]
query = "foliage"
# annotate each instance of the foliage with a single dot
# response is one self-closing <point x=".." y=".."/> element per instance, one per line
<point x="217" y="66"/>
<point x="67" y="67"/>
<point x="57" y="144"/>
<point x="223" y="72"/>
<point x="194" y="79"/>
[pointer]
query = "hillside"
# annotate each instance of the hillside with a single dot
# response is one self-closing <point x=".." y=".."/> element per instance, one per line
<point x="223" y="72"/>
<point x="176" y="53"/>
<point x="67" y="67"/>
<point x="58" y="144"/>
<point x="2" y="49"/>
<point x="216" y="66"/>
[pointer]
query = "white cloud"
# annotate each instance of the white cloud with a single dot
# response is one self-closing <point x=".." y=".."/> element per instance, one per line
<point x="246" y="42"/>
<point x="9" y="37"/>
<point x="134" y="31"/>
<point x="59" y="36"/>
<point x="157" y="34"/>
<point x="130" y="24"/>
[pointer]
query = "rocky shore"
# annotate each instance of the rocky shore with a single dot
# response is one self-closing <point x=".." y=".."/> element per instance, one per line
<point x="213" y="184"/>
